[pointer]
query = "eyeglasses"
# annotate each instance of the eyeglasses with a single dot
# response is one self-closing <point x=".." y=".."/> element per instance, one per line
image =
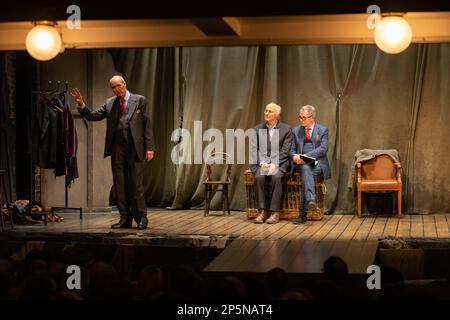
<point x="304" y="118"/>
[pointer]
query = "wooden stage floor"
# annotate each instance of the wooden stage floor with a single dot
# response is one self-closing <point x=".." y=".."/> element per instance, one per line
<point x="192" y="222"/>
<point x="258" y="248"/>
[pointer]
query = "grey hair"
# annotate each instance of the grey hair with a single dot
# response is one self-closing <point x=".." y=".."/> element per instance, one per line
<point x="309" y="109"/>
<point x="117" y="76"/>
<point x="277" y="107"/>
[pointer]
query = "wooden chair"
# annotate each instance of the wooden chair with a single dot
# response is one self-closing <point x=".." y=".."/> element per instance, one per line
<point x="379" y="175"/>
<point x="216" y="181"/>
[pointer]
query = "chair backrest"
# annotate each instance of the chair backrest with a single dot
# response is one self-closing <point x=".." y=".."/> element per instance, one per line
<point x="214" y="166"/>
<point x="380" y="167"/>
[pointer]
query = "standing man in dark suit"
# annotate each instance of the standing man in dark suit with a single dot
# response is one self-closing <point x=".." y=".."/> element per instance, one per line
<point x="310" y="139"/>
<point x="129" y="141"/>
<point x="270" y="148"/>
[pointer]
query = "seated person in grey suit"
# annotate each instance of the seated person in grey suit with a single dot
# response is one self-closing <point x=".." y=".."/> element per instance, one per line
<point x="310" y="139"/>
<point x="270" y="150"/>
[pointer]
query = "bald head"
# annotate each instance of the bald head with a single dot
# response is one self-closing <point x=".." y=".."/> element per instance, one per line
<point x="118" y="86"/>
<point x="117" y="78"/>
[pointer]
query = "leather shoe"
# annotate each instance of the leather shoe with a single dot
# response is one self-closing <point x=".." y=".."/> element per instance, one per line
<point x="143" y="223"/>
<point x="122" y="224"/>
<point x="274" y="218"/>
<point x="299" y="220"/>
<point x="312" y="206"/>
<point x="262" y="217"/>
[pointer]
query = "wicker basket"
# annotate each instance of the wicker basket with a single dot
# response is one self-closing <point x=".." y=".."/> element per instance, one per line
<point x="291" y="197"/>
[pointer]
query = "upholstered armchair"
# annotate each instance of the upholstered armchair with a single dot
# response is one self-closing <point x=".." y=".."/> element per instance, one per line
<point x="381" y="174"/>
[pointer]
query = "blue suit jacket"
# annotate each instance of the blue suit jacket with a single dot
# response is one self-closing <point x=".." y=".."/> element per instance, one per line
<point x="320" y="142"/>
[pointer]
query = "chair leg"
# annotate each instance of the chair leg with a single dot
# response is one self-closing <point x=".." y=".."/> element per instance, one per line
<point x="224" y="205"/>
<point x="399" y="204"/>
<point x="394" y="207"/>
<point x="359" y="203"/>
<point x="206" y="200"/>
<point x="227" y="200"/>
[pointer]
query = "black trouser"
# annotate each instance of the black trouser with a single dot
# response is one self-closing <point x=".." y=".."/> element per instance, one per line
<point x="275" y="192"/>
<point x="128" y="182"/>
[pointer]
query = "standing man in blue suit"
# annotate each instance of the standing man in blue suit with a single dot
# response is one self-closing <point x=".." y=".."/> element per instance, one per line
<point x="310" y="139"/>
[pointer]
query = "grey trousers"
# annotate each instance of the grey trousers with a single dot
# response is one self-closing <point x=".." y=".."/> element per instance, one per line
<point x="128" y="182"/>
<point x="275" y="191"/>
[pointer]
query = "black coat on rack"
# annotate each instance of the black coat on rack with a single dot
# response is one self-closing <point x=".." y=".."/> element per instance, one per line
<point x="50" y="146"/>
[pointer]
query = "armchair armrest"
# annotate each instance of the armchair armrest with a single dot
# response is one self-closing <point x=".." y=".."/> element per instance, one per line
<point x="358" y="173"/>
<point x="399" y="172"/>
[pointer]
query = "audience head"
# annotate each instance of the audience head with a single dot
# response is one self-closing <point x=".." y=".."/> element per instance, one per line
<point x="335" y="269"/>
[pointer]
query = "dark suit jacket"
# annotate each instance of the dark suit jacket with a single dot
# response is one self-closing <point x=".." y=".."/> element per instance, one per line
<point x="44" y="136"/>
<point x="139" y="122"/>
<point x="259" y="150"/>
<point x="320" y="142"/>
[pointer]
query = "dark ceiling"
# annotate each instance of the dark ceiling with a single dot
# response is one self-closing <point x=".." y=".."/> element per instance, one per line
<point x="20" y="10"/>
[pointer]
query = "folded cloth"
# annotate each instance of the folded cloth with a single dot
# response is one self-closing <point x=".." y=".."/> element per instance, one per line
<point x="368" y="154"/>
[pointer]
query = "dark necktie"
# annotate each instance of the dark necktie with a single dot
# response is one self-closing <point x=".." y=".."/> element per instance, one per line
<point x="308" y="134"/>
<point x="123" y="104"/>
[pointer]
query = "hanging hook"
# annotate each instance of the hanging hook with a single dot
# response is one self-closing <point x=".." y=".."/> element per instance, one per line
<point x="57" y="88"/>
<point x="49" y="86"/>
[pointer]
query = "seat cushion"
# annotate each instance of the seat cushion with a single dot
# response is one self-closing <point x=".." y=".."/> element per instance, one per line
<point x="380" y="184"/>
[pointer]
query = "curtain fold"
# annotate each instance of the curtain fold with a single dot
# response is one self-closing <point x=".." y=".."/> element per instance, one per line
<point x="367" y="99"/>
<point x="151" y="72"/>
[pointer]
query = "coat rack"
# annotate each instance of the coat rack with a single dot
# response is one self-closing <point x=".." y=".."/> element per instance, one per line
<point x="66" y="191"/>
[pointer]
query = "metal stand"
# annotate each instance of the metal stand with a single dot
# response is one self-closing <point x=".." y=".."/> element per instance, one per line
<point x="66" y="191"/>
<point x="66" y="201"/>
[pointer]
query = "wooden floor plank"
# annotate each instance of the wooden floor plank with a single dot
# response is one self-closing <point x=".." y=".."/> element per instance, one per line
<point x="340" y="247"/>
<point x="340" y="227"/>
<point x="284" y="230"/>
<point x="364" y="229"/>
<point x="185" y="223"/>
<point x="305" y="231"/>
<point x="247" y="247"/>
<point x="404" y="227"/>
<point x="391" y="227"/>
<point x="416" y="226"/>
<point x="352" y="228"/>
<point x="429" y="226"/>
<point x="253" y="259"/>
<point x="290" y="253"/>
<point x="377" y="228"/>
<point x="274" y="256"/>
<point x="232" y="226"/>
<point x="311" y="257"/>
<point x="226" y="256"/>
<point x="442" y="226"/>
<point x="326" y="229"/>
<point x="215" y="223"/>
<point x="366" y="257"/>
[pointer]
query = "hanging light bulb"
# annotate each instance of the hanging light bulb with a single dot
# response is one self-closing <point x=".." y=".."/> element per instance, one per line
<point x="393" y="34"/>
<point x="43" y="42"/>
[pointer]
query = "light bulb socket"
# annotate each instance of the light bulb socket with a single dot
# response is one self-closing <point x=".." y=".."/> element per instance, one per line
<point x="45" y="23"/>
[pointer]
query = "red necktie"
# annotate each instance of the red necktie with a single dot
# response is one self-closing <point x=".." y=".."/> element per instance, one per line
<point x="123" y="104"/>
<point x="308" y="134"/>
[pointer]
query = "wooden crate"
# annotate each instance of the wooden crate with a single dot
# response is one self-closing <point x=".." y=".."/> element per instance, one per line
<point x="291" y="199"/>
